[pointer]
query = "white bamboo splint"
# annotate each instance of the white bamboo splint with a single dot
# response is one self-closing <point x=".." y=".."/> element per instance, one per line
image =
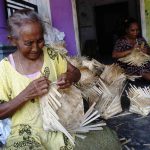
<point x="136" y="58"/>
<point x="140" y="100"/>
<point x="63" y="110"/>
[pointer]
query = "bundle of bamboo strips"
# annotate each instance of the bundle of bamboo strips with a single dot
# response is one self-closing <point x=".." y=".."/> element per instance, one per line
<point x="109" y="104"/>
<point x="136" y="58"/>
<point x="63" y="110"/>
<point x="140" y="100"/>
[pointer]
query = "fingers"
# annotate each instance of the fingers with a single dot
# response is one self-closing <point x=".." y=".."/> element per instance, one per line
<point x="64" y="83"/>
<point x="41" y="86"/>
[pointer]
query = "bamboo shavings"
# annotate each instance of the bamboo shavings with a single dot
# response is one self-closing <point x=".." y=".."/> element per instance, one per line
<point x="136" y="58"/>
<point x="140" y="100"/>
<point x="63" y="110"/>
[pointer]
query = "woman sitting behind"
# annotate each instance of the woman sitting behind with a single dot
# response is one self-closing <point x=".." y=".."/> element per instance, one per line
<point x="127" y="43"/>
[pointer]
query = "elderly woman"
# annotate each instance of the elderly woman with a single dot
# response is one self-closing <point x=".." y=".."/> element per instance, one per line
<point x="25" y="76"/>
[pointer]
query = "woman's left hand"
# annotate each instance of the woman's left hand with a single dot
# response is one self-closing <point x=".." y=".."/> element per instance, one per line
<point x="65" y="80"/>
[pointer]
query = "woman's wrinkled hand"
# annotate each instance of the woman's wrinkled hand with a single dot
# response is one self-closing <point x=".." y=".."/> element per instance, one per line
<point x="65" y="80"/>
<point x="37" y="88"/>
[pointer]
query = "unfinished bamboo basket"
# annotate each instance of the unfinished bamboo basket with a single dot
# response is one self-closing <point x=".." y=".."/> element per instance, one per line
<point x="63" y="110"/>
<point x="139" y="100"/>
<point x="136" y="58"/>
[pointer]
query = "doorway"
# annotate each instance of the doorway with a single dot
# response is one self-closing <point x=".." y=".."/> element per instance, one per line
<point x="98" y="25"/>
<point x="107" y="19"/>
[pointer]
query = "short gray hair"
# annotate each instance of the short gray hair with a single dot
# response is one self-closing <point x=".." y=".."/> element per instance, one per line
<point x="19" y="18"/>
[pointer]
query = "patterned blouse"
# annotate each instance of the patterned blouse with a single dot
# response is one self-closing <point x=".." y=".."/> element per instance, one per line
<point x="123" y="44"/>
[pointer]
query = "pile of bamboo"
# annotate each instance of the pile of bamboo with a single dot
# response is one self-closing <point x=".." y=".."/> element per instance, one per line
<point x="139" y="100"/>
<point x="104" y="85"/>
<point x="105" y="89"/>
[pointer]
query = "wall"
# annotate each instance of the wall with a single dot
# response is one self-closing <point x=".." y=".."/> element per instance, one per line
<point x="147" y="19"/>
<point x="62" y="19"/>
<point x="3" y="24"/>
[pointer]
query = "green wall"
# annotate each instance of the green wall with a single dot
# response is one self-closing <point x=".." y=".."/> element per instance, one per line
<point x="147" y="19"/>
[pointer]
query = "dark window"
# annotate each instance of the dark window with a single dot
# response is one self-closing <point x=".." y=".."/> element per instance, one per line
<point x="13" y="5"/>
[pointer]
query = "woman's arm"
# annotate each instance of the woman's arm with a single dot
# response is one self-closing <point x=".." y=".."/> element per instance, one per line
<point x="120" y="54"/>
<point x="121" y="48"/>
<point x="36" y="88"/>
<point x="74" y="71"/>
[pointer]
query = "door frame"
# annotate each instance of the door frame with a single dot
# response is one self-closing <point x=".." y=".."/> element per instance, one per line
<point x="143" y="20"/>
<point x="75" y="23"/>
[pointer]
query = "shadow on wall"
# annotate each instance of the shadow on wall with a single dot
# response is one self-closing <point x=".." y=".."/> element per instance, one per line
<point x="91" y="50"/>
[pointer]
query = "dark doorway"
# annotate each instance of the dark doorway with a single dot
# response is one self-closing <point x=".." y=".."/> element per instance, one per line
<point x="107" y="18"/>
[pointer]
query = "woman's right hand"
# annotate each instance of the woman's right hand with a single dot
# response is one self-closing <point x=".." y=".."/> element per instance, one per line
<point x="36" y="88"/>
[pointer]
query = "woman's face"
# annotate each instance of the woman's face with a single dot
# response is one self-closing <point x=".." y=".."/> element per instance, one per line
<point x="133" y="31"/>
<point x="30" y="41"/>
